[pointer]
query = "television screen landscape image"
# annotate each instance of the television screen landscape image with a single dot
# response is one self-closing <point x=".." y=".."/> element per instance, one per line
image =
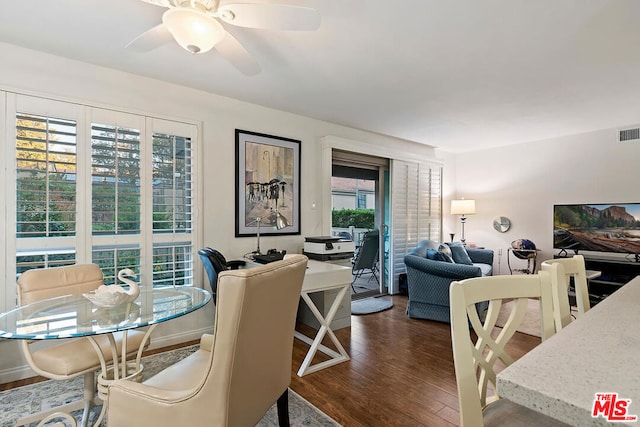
<point x="597" y="227"/>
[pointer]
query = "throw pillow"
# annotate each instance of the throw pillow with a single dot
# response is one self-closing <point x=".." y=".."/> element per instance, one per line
<point x="431" y="254"/>
<point x="444" y="248"/>
<point x="441" y="256"/>
<point x="434" y="255"/>
<point x="459" y="253"/>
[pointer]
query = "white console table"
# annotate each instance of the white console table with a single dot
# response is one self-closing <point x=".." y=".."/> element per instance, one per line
<point x="335" y="282"/>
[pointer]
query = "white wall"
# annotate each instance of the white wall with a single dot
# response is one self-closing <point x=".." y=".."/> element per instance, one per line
<point x="36" y="73"/>
<point x="523" y="182"/>
<point x="450" y="224"/>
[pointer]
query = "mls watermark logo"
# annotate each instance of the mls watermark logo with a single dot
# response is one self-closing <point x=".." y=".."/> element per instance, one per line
<point x="612" y="408"/>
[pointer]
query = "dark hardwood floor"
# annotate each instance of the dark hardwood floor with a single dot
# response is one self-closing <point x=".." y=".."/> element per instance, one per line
<point x="400" y="373"/>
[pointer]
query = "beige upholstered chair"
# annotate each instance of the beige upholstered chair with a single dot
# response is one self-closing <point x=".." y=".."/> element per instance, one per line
<point x="475" y="359"/>
<point x="73" y="357"/>
<point x="571" y="268"/>
<point x="239" y="371"/>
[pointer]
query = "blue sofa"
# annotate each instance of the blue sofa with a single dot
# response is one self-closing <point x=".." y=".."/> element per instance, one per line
<point x="428" y="280"/>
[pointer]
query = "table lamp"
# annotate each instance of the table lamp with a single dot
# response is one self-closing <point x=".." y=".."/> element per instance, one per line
<point x="281" y="222"/>
<point x="463" y="207"/>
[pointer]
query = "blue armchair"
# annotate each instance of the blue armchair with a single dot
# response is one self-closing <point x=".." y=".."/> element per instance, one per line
<point x="428" y="280"/>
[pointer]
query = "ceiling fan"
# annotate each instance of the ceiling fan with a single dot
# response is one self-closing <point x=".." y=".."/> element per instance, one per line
<point x="196" y="26"/>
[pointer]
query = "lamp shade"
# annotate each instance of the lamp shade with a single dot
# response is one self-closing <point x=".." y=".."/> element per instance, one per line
<point x="281" y="221"/>
<point x="194" y="30"/>
<point x="463" y="207"/>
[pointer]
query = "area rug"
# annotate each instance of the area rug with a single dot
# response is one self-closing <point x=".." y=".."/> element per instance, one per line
<point x="370" y="305"/>
<point x="531" y="322"/>
<point x="18" y="402"/>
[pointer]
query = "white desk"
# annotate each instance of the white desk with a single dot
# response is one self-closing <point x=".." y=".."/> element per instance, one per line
<point x="597" y="353"/>
<point x="323" y="276"/>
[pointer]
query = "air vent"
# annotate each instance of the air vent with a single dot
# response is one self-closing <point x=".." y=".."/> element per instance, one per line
<point x="629" y="135"/>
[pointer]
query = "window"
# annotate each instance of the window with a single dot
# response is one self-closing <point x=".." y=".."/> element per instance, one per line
<point x="115" y="179"/>
<point x="45" y="156"/>
<point x="45" y="176"/>
<point x="94" y="185"/>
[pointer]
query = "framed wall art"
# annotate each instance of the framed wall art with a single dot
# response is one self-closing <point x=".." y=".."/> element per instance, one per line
<point x="267" y="184"/>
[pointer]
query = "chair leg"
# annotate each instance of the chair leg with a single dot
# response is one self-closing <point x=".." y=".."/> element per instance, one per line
<point x="355" y="276"/>
<point x="283" y="409"/>
<point x="375" y="275"/>
<point x="89" y="395"/>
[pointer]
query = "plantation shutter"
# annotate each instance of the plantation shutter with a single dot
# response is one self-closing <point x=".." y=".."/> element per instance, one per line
<point x="173" y="189"/>
<point x="42" y="191"/>
<point x="102" y="186"/>
<point x="45" y="176"/>
<point x="416" y="210"/>
<point x="117" y="185"/>
<point x="115" y="179"/>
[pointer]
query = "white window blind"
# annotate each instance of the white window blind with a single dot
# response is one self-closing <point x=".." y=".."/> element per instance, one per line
<point x="45" y="176"/>
<point x="115" y="179"/>
<point x="172" y="183"/>
<point x="95" y="185"/>
<point x="416" y="209"/>
<point x="173" y="201"/>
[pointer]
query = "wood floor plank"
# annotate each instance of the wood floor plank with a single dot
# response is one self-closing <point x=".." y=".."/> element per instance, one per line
<point x="401" y="371"/>
<point x="400" y="374"/>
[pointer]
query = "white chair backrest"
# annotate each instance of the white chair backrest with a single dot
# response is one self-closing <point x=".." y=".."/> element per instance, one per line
<point x="475" y="360"/>
<point x="38" y="284"/>
<point x="239" y="371"/>
<point x="573" y="267"/>
<point x="253" y="340"/>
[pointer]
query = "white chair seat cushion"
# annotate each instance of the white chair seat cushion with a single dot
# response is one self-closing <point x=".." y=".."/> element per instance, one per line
<point x="503" y="412"/>
<point x="78" y="355"/>
<point x="183" y="375"/>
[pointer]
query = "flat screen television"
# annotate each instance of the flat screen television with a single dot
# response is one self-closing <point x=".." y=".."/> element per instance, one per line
<point x="599" y="227"/>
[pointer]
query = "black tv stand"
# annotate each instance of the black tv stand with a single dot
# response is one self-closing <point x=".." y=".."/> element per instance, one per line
<point x="614" y="273"/>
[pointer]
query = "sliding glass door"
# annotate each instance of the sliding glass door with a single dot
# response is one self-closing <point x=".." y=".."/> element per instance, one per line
<point x="409" y="206"/>
<point x="358" y="207"/>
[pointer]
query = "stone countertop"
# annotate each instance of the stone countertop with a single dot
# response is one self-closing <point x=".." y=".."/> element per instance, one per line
<point x="598" y="353"/>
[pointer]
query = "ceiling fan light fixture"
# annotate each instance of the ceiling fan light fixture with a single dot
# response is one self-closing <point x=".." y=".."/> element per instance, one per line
<point x="192" y="29"/>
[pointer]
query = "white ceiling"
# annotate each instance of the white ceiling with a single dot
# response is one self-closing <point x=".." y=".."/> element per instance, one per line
<point x="456" y="74"/>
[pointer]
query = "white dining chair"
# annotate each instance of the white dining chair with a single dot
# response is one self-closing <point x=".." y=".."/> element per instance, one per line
<point x="239" y="371"/>
<point x="67" y="358"/>
<point x="479" y="347"/>
<point x="571" y="268"/>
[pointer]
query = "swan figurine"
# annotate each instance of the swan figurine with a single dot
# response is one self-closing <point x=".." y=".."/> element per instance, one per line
<point x="114" y="295"/>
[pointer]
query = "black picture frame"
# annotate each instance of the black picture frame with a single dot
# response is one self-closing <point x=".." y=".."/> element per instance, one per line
<point x="267" y="182"/>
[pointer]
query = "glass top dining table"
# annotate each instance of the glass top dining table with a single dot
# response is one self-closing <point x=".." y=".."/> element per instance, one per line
<point x="75" y="316"/>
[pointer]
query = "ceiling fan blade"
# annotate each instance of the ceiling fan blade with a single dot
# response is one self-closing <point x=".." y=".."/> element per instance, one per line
<point x="151" y="39"/>
<point x="270" y="16"/>
<point x="231" y="49"/>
